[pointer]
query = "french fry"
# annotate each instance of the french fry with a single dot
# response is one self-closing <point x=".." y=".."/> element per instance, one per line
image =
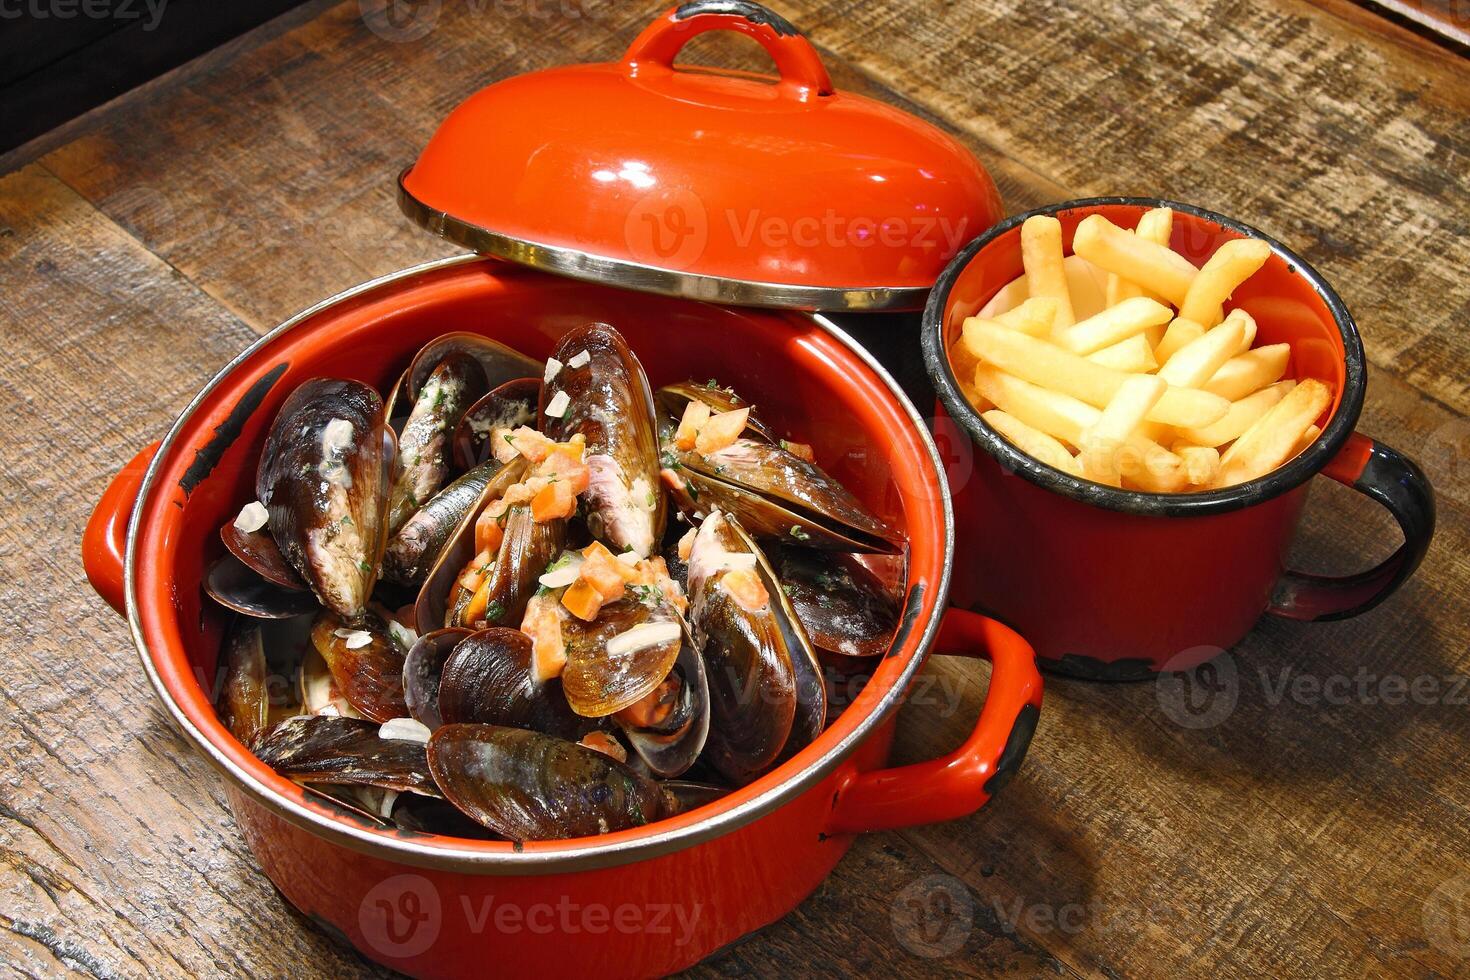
<point x="1249" y="339"/>
<point x="1048" y="365"/>
<point x="1274" y="437"/>
<point x="1245" y="373"/>
<point x="1033" y="316"/>
<point x="1041" y="255"/>
<point x="1155" y="267"/>
<point x="1308" y="437"/>
<point x="1134" y="356"/>
<point x="1008" y="297"/>
<point x="1232" y="264"/>
<point x="1086" y="286"/>
<point x="1201" y="463"/>
<point x="1117" y="323"/>
<point x="1241" y="416"/>
<point x="1102" y="440"/>
<point x="1032" y="442"/>
<point x="1156" y="225"/>
<point x="1197" y="361"/>
<point x="1066" y="418"/>
<point x="1179" y="333"/>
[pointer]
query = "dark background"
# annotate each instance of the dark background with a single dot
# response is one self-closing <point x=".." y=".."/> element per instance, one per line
<point x="59" y="58"/>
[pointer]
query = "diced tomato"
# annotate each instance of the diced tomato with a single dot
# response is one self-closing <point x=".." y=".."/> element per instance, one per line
<point x="720" y="431"/>
<point x="488" y="532"/>
<point x="565" y="464"/>
<point x="604" y="573"/>
<point x="696" y="413"/>
<point x="554" y="500"/>
<point x="475" y="611"/>
<point x="746" y="589"/>
<point x="799" y="449"/>
<point x="531" y="444"/>
<point x="582" y="600"/>
<point x="542" y="623"/>
<point x="606" y="744"/>
<point x="477" y="571"/>
<point x="500" y="446"/>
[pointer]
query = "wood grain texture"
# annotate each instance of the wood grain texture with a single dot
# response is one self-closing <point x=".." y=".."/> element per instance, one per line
<point x="1301" y="833"/>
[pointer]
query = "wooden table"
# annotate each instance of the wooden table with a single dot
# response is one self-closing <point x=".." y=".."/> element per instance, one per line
<point x="1321" y="827"/>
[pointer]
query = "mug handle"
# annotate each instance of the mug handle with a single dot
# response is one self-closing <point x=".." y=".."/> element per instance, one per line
<point x="1396" y="482"/>
<point x="963" y="781"/>
<point x="105" y="541"/>
<point x="797" y="62"/>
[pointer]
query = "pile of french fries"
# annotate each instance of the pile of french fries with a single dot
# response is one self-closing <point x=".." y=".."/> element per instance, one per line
<point x="1119" y="363"/>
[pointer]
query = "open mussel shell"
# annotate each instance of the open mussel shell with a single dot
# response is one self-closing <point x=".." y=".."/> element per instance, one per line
<point x="775" y="493"/>
<point x="696" y="494"/>
<point x="324" y="477"/>
<point x="244" y="699"/>
<point x="845" y="608"/>
<point x="689" y="795"/>
<point x="811" y="688"/>
<point x="412" y="550"/>
<point x="235" y="586"/>
<point x="424" y="455"/>
<point x="329" y="749"/>
<point x="527" y="547"/>
<point x="530" y="786"/>
<point x="487" y="680"/>
<point x="608" y="401"/>
<point x="318" y="690"/>
<point x="752" y="683"/>
<point x="670" y="745"/>
<point x="257" y="551"/>
<point x="365" y="663"/>
<point x="431" y="815"/>
<point x="672" y="400"/>
<point x="602" y="674"/>
<point x="510" y="406"/>
<point x="423" y="668"/>
<point x="499" y="362"/>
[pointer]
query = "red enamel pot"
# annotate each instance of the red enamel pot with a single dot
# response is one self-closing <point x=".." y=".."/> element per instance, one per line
<point x="1118" y="584"/>
<point x="638" y="902"/>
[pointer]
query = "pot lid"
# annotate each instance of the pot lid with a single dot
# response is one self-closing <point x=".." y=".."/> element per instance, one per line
<point x="725" y="186"/>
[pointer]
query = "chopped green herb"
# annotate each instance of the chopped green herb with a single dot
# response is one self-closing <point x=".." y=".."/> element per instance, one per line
<point x="365" y="567"/>
<point x="711" y="383"/>
<point x="693" y="491"/>
<point x="669" y="461"/>
<point x="800" y="533"/>
<point x="493" y="612"/>
<point x="649" y="595"/>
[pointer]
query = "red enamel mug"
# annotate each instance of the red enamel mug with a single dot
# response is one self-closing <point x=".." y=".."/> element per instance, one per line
<point x="1117" y="584"/>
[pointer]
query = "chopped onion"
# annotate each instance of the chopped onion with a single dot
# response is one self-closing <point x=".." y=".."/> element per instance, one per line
<point x="734" y="561"/>
<point x="356" y="639"/>
<point x="553" y="366"/>
<point x="565" y="575"/>
<point x="405" y="729"/>
<point x="557" y="407"/>
<point x="629" y="558"/>
<point x="579" y="360"/>
<point x="402" y="635"/>
<point x="252" y="517"/>
<point x="641" y="637"/>
<point x="385" y="809"/>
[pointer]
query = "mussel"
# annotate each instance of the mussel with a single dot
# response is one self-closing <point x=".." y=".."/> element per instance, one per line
<point x="454" y="384"/>
<point x="622" y="656"/>
<point x="488" y="680"/>
<point x="412" y="550"/>
<point x="668" y="728"/>
<point x="530" y="786"/>
<point x="365" y="663"/>
<point x="774" y="493"/>
<point x="423" y="669"/>
<point x="510" y="406"/>
<point x="327" y="749"/>
<point x="499" y="362"/>
<point x="764" y="684"/>
<point x="323" y="478"/>
<point x="672" y="399"/>
<point x="499" y="592"/>
<point x="601" y="392"/>
<point x="846" y="609"/>
<point x="235" y="586"/>
<point x="244" y="701"/>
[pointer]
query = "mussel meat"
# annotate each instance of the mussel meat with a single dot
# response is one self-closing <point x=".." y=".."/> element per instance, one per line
<point x="423" y="447"/>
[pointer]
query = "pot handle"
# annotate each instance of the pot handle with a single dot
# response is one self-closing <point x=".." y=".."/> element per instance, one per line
<point x="105" y="541"/>
<point x="1396" y="482"/>
<point x="963" y="781"/>
<point x="800" y="67"/>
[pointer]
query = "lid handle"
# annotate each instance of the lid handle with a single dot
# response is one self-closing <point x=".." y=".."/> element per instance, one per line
<point x="796" y="60"/>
